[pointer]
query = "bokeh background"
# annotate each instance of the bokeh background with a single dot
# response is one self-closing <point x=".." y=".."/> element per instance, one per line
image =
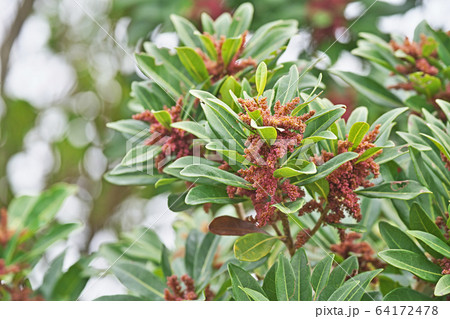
<point x="66" y="70"/>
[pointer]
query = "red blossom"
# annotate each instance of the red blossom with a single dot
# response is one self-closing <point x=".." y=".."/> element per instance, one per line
<point x="174" y="141"/>
<point x="176" y="293"/>
<point x="364" y="252"/>
<point x="268" y="189"/>
<point x="343" y="181"/>
<point x="216" y="67"/>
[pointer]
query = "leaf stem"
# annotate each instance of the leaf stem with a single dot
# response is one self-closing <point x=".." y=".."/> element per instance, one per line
<point x="240" y="210"/>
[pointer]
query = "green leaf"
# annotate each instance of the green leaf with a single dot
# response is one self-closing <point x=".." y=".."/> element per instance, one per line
<point x="365" y="279"/>
<point x="395" y="190"/>
<point x="291" y="207"/>
<point x="370" y="88"/>
<point x="193" y="63"/>
<point x="192" y="242"/>
<point x="164" y="118"/>
<point x="359" y="114"/>
<point x="368" y="154"/>
<point x="216" y="174"/>
<point x="241" y="278"/>
<point x="204" y="257"/>
<point x="230" y="48"/>
<point x="118" y="298"/>
<point x="193" y="128"/>
<point x="232" y="85"/>
<point x="285" y="280"/>
<point x="207" y="23"/>
<point x="55" y="234"/>
<point x="417" y="264"/>
<point x="405" y="294"/>
<point x="267" y="133"/>
<point x="419" y="220"/>
<point x="338" y="275"/>
<point x="129" y="127"/>
<point x="287" y="86"/>
<point x="253" y="247"/>
<point x="321" y="274"/>
<point x="261" y="78"/>
<point x="140" y="154"/>
<point x="254" y="295"/>
<point x="302" y="271"/>
<point x="209" y="45"/>
<point x="353" y="227"/>
<point x="387" y="118"/>
<point x="322" y="120"/>
<point x="432" y="241"/>
<point x="269" y="283"/>
<point x="242" y="19"/>
<point x="442" y="286"/>
<point x="308" y="169"/>
<point x="139" y="280"/>
<point x="165" y="263"/>
<point x="203" y="194"/>
<point x="186" y="31"/>
<point x="396" y="238"/>
<point x="357" y="133"/>
<point x="345" y="292"/>
<point x="327" y="168"/>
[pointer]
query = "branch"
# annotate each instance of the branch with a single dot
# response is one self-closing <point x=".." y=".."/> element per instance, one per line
<point x="240" y="210"/>
<point x="24" y="10"/>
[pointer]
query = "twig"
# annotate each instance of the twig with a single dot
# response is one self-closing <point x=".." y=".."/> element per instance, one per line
<point x="240" y="210"/>
<point x="287" y="232"/>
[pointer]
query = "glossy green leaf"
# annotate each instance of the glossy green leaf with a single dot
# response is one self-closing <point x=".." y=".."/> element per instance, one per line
<point x="396" y="238"/>
<point x="285" y="280"/>
<point x="261" y="78"/>
<point x="405" y="294"/>
<point x="193" y="63"/>
<point x="216" y="174"/>
<point x="241" y="278"/>
<point x="432" y="241"/>
<point x="308" y="169"/>
<point x="186" y="31"/>
<point x="345" y="292"/>
<point x="203" y="194"/>
<point x="269" y="283"/>
<point x="242" y="19"/>
<point x="357" y="133"/>
<point x="443" y="286"/>
<point x="254" y="295"/>
<point x="230" y="48"/>
<point x="302" y="272"/>
<point x="395" y="190"/>
<point x="338" y="276"/>
<point x="139" y="280"/>
<point x="253" y="247"/>
<point x="320" y="275"/>
<point x="417" y="264"/>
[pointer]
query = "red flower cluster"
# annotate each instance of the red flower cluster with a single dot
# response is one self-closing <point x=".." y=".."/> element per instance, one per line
<point x="422" y="63"/>
<point x="268" y="189"/>
<point x="446" y="161"/>
<point x="326" y="16"/>
<point x="178" y="294"/>
<point x="217" y="68"/>
<point x="174" y="141"/>
<point x="444" y="263"/>
<point x="362" y="250"/>
<point x="344" y="180"/>
<point x="442" y="224"/>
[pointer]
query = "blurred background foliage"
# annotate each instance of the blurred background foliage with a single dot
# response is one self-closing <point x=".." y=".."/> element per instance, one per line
<point x="67" y="68"/>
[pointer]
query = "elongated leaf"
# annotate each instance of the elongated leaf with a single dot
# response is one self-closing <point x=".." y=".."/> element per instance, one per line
<point x="254" y="246"/>
<point x="338" y="275"/>
<point x="254" y="295"/>
<point x="292" y="207"/>
<point x="231" y="226"/>
<point x="214" y="173"/>
<point x="345" y="292"/>
<point x="308" y="169"/>
<point x="261" y="78"/>
<point x="320" y="275"/>
<point x="395" y="190"/>
<point x="432" y="241"/>
<point x="368" y="154"/>
<point x="371" y="89"/>
<point x="192" y="243"/>
<point x="186" y="31"/>
<point x="417" y="264"/>
<point x="443" y="286"/>
<point x="364" y="279"/>
<point x="285" y="280"/>
<point x="241" y="278"/>
<point x="358" y="115"/>
<point x="242" y="19"/>
<point x="419" y="220"/>
<point x="118" y="298"/>
<point x="193" y="63"/>
<point x="229" y="49"/>
<point x="405" y="294"/>
<point x="322" y="120"/>
<point x="287" y="86"/>
<point x="204" y="257"/>
<point x="269" y="284"/>
<point x="193" y="128"/>
<point x="302" y="271"/>
<point x="139" y="280"/>
<point x="397" y="239"/>
<point x="357" y="133"/>
<point x="203" y="194"/>
<point x="327" y="168"/>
